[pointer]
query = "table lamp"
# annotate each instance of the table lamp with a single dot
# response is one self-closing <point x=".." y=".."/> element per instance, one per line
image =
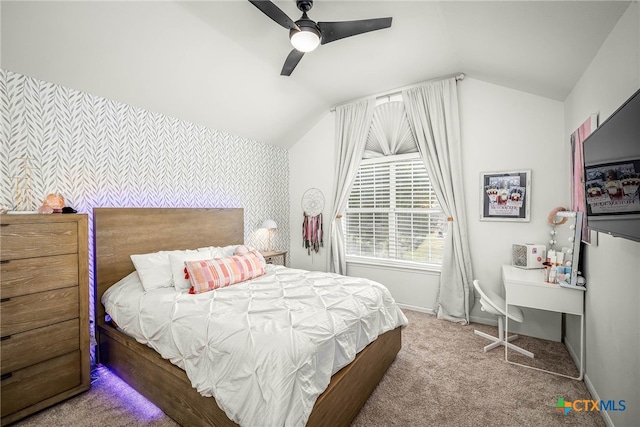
<point x="269" y="225"/>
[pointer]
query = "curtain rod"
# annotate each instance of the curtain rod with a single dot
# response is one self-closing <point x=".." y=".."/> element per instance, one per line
<point x="458" y="77"/>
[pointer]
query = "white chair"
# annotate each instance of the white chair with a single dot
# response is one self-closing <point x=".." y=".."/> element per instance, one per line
<point x="494" y="304"/>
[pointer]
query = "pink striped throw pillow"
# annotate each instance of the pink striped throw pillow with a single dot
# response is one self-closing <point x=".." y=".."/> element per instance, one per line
<point x="211" y="274"/>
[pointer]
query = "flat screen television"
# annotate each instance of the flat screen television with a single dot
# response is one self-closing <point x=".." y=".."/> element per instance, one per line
<point x="612" y="173"/>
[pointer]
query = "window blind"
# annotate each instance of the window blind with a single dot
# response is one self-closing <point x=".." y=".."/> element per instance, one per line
<point x="393" y="212"/>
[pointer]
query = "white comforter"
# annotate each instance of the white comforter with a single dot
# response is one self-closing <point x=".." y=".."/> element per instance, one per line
<point x="266" y="348"/>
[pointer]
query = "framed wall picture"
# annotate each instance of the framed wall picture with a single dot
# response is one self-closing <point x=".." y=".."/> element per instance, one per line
<point x="577" y="175"/>
<point x="505" y="196"/>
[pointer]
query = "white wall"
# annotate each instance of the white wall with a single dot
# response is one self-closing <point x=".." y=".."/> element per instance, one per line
<point x="502" y="129"/>
<point x="612" y="269"/>
<point x="413" y="289"/>
<point x="312" y="166"/>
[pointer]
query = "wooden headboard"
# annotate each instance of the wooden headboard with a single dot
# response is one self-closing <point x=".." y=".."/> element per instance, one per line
<point x="121" y="232"/>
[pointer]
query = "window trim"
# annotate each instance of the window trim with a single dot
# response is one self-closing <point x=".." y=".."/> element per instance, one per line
<point x="390" y="159"/>
<point x="393" y="263"/>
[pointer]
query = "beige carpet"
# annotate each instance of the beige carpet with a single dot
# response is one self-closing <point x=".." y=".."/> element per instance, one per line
<point x="441" y="377"/>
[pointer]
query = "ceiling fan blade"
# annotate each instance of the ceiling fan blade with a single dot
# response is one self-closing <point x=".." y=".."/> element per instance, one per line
<point x="290" y="63"/>
<point x="275" y="13"/>
<point x="332" y="31"/>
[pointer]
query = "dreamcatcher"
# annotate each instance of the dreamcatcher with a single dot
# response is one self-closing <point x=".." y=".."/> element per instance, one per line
<point x="312" y="206"/>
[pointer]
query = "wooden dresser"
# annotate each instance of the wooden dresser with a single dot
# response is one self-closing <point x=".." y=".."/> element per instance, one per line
<point x="44" y="311"/>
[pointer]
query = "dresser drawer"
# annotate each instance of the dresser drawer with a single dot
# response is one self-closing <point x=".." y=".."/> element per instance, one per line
<point x="28" y="348"/>
<point x="30" y="385"/>
<point x="31" y="275"/>
<point x="33" y="311"/>
<point x="35" y="240"/>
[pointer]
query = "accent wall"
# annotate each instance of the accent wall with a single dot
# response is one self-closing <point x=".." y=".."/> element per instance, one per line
<point x="98" y="152"/>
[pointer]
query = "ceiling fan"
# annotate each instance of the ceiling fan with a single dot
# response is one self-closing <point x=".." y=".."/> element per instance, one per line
<point x="306" y="34"/>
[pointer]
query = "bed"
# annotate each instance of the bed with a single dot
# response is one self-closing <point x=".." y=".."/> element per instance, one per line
<point x="120" y="232"/>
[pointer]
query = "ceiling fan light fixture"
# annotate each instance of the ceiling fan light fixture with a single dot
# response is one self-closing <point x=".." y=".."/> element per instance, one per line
<point x="305" y="40"/>
<point x="306" y="34"/>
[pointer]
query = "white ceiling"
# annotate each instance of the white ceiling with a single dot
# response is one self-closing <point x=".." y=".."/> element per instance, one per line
<point x="217" y="63"/>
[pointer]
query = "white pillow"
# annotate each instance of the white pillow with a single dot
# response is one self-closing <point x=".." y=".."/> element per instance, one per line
<point x="154" y="270"/>
<point x="177" y="259"/>
<point x="229" y="250"/>
<point x="242" y="249"/>
<point x="216" y="251"/>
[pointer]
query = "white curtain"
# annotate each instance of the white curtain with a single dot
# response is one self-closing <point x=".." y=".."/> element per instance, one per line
<point x="432" y="110"/>
<point x="352" y="127"/>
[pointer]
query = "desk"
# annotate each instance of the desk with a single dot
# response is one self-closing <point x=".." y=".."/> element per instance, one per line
<point x="527" y="288"/>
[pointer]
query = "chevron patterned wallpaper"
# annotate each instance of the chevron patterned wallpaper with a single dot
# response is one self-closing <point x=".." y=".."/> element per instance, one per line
<point x="101" y="153"/>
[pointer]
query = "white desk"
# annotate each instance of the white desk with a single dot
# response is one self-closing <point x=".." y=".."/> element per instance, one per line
<point x="527" y="288"/>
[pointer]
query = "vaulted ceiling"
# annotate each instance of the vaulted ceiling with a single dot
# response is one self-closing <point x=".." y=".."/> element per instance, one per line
<point x="217" y="63"/>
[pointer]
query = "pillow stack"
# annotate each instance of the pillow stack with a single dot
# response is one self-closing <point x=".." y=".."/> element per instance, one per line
<point x="198" y="270"/>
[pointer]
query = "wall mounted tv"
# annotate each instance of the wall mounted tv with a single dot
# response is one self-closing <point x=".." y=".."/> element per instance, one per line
<point x="612" y="173"/>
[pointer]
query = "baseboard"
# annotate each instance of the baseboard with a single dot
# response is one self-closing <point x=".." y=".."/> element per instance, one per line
<point x="416" y="308"/>
<point x="594" y="395"/>
<point x="484" y="320"/>
<point x="493" y="321"/>
<point x="573" y="354"/>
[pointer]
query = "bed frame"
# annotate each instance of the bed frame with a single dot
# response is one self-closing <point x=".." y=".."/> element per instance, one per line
<point x="120" y="232"/>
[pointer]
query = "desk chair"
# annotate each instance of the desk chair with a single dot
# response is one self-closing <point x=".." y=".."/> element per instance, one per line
<point x="494" y="304"/>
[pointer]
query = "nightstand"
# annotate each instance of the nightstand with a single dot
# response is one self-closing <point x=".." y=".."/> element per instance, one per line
<point x="270" y="255"/>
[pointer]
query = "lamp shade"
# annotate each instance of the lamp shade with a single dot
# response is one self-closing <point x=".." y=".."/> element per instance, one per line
<point x="269" y="224"/>
<point x="305" y="40"/>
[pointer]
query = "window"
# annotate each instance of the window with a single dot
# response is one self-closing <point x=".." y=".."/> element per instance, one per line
<point x="393" y="213"/>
